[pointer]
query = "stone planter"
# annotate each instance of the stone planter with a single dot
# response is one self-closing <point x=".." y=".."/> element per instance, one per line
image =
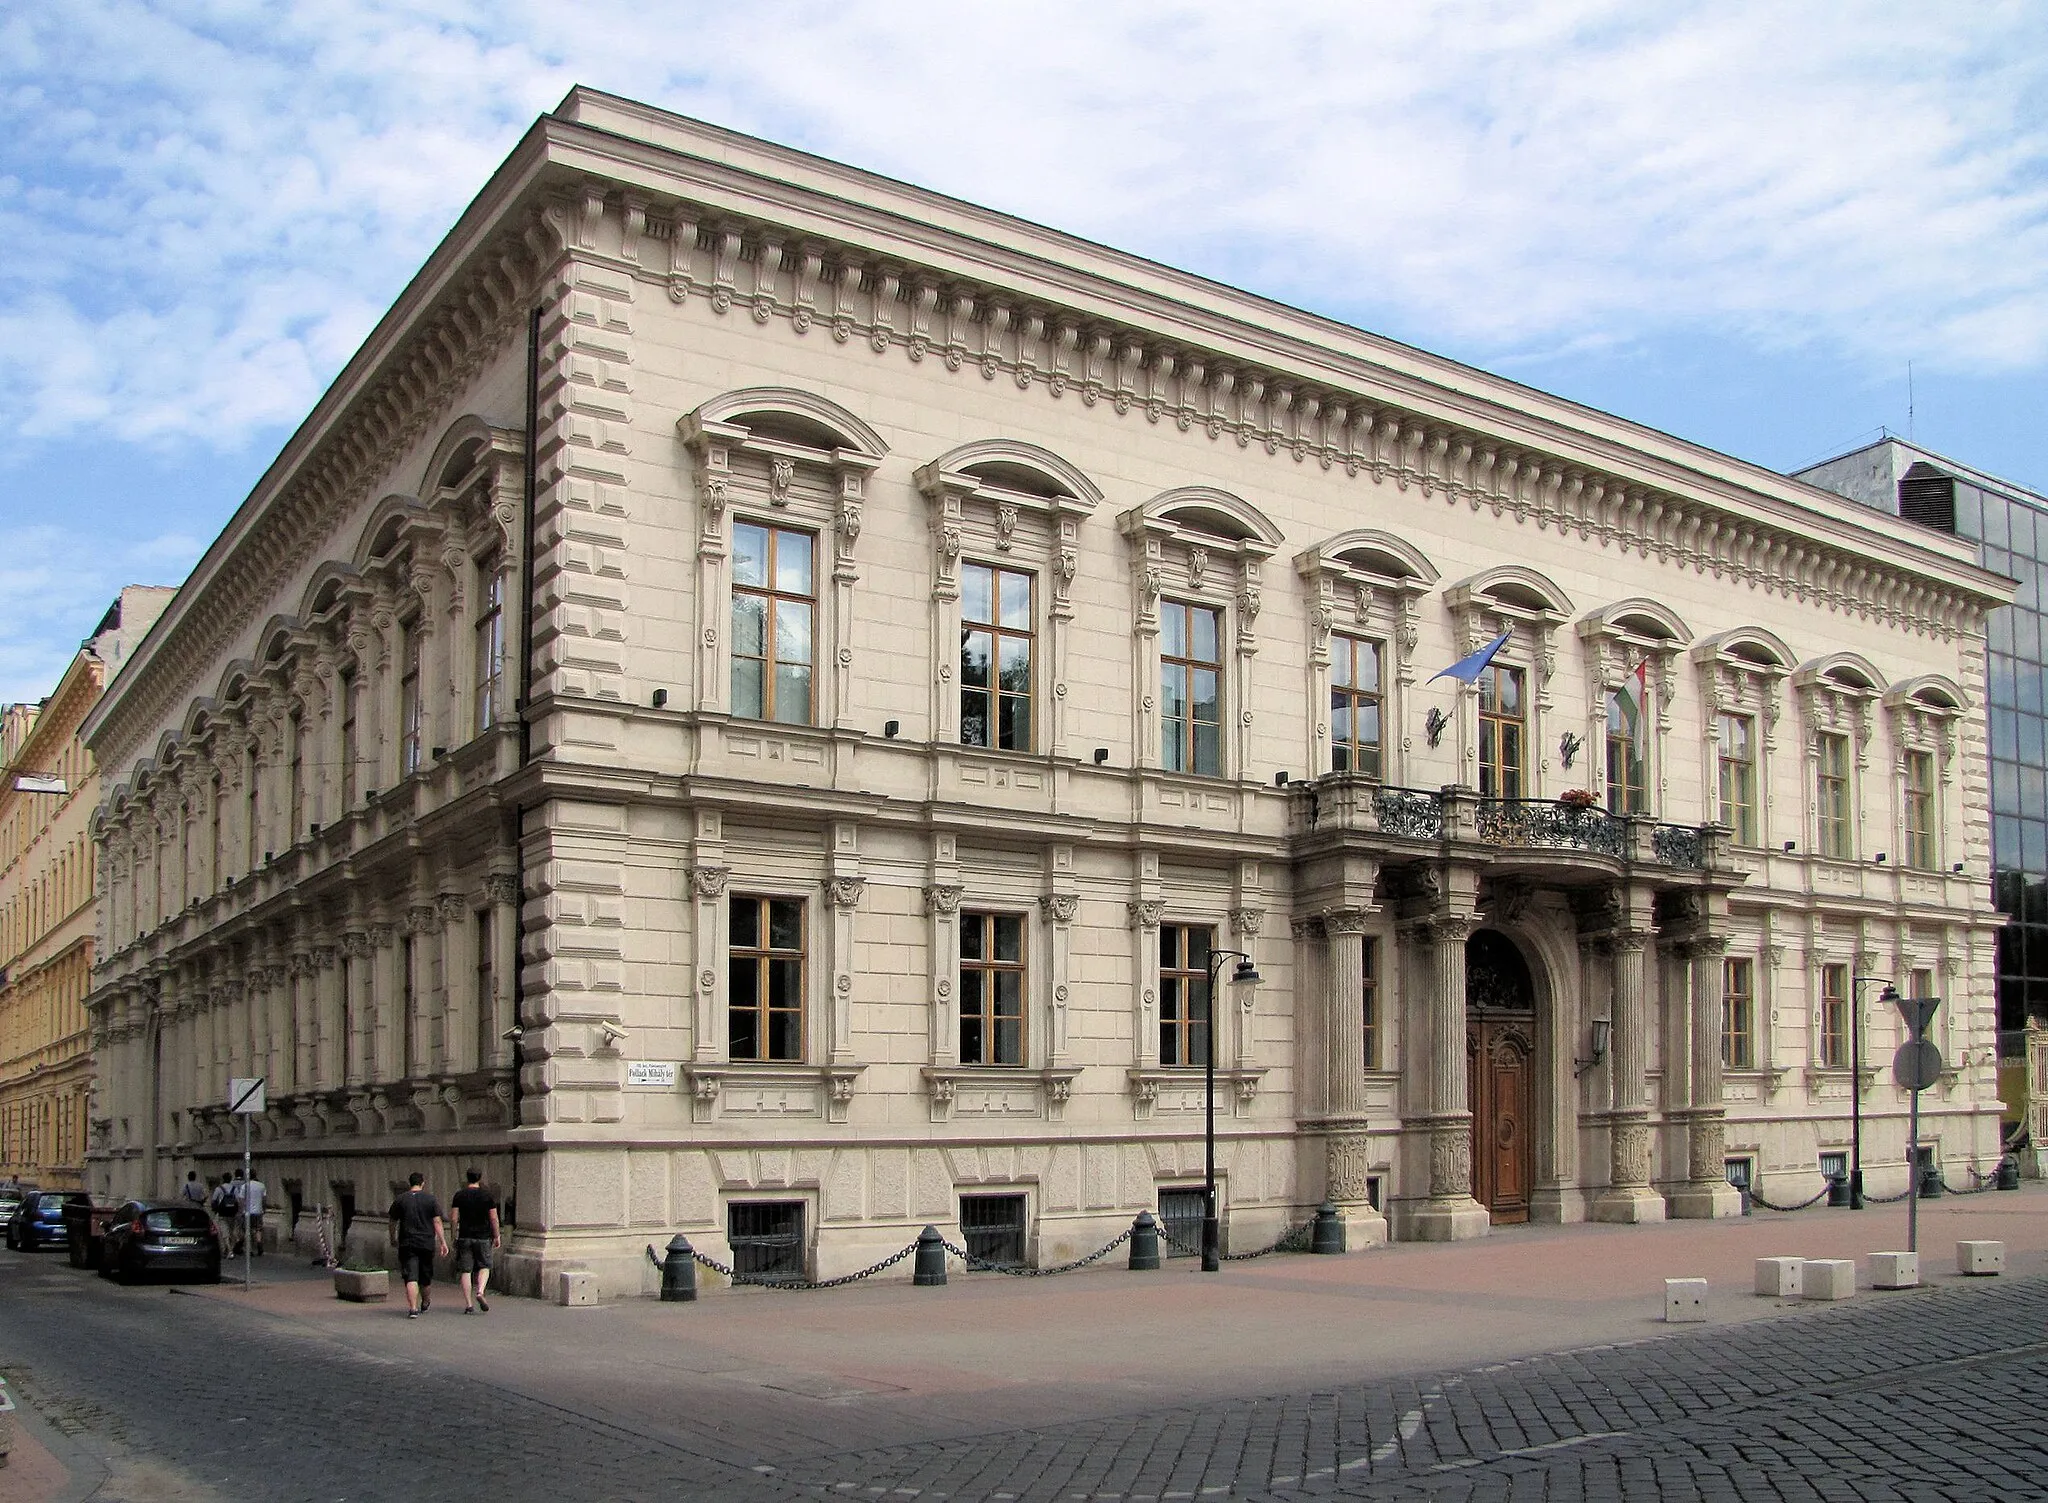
<point x="362" y="1288"/>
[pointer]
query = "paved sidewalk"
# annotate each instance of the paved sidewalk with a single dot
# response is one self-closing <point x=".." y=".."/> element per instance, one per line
<point x="1104" y="1338"/>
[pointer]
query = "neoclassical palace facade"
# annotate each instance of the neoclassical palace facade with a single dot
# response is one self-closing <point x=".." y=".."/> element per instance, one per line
<point x="762" y="700"/>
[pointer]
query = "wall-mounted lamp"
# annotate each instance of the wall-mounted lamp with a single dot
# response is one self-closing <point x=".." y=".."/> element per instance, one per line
<point x="891" y="727"/>
<point x="1568" y="749"/>
<point x="1434" y="725"/>
<point x="313" y="828"/>
<point x="661" y="699"/>
<point x="1279" y="780"/>
<point x="1101" y="755"/>
<point x="1957" y="868"/>
<point x="1791" y="846"/>
<point x="440" y="752"/>
<point x="267" y="858"/>
<point x="1603" y="1036"/>
<point x="1879" y="858"/>
<point x="369" y="795"/>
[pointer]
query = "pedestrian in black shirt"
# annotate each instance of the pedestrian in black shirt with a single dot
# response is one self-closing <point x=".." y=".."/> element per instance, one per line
<point x="417" y="1228"/>
<point x="476" y="1234"/>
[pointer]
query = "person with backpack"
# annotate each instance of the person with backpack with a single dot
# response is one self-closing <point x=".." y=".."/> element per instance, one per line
<point x="222" y="1205"/>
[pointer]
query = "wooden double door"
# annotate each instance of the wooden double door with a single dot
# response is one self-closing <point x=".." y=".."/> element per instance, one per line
<point x="1500" y="1056"/>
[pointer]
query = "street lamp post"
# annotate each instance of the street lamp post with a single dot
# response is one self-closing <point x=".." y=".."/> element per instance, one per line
<point x="1889" y="994"/>
<point x="1212" y="1252"/>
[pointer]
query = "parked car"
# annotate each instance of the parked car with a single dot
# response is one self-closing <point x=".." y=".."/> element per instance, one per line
<point x="10" y="1200"/>
<point x="146" y="1238"/>
<point x="37" y="1222"/>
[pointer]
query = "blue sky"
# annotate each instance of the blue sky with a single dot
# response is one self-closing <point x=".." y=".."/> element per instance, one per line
<point x="1736" y="222"/>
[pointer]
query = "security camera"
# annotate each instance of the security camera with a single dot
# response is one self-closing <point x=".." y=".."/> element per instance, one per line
<point x="513" y="1034"/>
<point x="612" y="1032"/>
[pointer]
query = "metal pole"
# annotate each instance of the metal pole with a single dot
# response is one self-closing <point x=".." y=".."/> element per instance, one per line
<point x="1212" y="1258"/>
<point x="1913" y="1175"/>
<point x="245" y="1203"/>
<point x="1855" y="1096"/>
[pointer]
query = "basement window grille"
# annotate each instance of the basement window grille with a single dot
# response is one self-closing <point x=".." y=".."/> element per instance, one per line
<point x="1180" y="1213"/>
<point x="994" y="1228"/>
<point x="767" y="1238"/>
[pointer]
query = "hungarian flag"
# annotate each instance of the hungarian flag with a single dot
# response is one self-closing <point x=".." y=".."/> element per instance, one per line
<point x="1635" y="691"/>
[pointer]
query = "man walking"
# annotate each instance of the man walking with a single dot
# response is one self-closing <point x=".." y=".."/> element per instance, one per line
<point x="193" y="1191"/>
<point x="476" y="1236"/>
<point x="419" y="1231"/>
<point x="251" y="1198"/>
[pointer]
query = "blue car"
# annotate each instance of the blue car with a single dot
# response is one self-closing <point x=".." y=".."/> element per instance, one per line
<point x="38" y="1222"/>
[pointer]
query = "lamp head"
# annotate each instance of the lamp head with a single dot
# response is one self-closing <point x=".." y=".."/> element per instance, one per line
<point x="1603" y="1037"/>
<point x="1245" y="972"/>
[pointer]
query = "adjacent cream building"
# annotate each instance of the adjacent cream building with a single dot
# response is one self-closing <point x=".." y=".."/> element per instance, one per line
<point x="49" y="791"/>
<point x="753" y="701"/>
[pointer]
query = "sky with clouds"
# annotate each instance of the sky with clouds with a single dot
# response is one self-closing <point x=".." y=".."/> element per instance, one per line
<point x="1735" y="221"/>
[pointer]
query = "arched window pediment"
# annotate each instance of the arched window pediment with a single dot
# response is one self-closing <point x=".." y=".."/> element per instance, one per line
<point x="1930" y="694"/>
<point x="1514" y="591"/>
<point x="1370" y="557"/>
<point x="1845" y="673"/>
<point x="784" y="422"/>
<point x="1641" y="621"/>
<point x="1748" y="648"/>
<point x="1201" y="516"/>
<point x="1008" y="471"/>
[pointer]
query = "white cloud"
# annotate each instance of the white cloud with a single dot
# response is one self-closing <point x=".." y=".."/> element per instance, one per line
<point x="207" y="204"/>
<point x="55" y="584"/>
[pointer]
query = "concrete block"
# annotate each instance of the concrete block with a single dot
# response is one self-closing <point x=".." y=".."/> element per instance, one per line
<point x="1980" y="1259"/>
<point x="576" y="1288"/>
<point x="1685" y="1299"/>
<point x="1827" y="1278"/>
<point x="1779" y="1277"/>
<point x="1894" y="1270"/>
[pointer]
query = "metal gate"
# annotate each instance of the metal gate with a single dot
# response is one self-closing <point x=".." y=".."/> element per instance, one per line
<point x="994" y="1228"/>
<point x="1180" y="1213"/>
<point x="767" y="1238"/>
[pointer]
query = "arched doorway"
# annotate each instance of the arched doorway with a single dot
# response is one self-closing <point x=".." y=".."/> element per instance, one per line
<point x="1500" y="1055"/>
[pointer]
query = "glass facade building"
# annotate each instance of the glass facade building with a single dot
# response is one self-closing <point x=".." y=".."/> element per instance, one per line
<point x="2009" y="525"/>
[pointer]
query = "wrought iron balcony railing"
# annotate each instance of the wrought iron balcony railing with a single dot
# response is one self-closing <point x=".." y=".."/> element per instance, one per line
<point x="1542" y="824"/>
<point x="1680" y="845"/>
<point x="1410" y="813"/>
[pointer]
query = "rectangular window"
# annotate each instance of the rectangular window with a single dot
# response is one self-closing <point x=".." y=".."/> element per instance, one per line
<point x="1834" y="1017"/>
<point x="1190" y="689"/>
<point x="1354" y="706"/>
<point x="765" y="991"/>
<point x="774" y="606"/>
<point x="486" y="982"/>
<point x="252" y="812"/>
<point x="1738" y="1014"/>
<point x="490" y="646"/>
<point x="1921" y="852"/>
<point x="1628" y="774"/>
<point x="350" y="740"/>
<point x="411" y="711"/>
<point x="1831" y="795"/>
<point x="408" y="1007"/>
<point x="995" y="658"/>
<point x="1184" y="994"/>
<point x="1501" y="730"/>
<point x="1738" y="777"/>
<point x="1181" y="1213"/>
<point x="767" y="1239"/>
<point x="1371" y="1003"/>
<point x="991" y="989"/>
<point x="993" y="1228"/>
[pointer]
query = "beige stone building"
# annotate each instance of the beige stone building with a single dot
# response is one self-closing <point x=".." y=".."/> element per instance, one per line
<point x="758" y="699"/>
<point x="48" y="793"/>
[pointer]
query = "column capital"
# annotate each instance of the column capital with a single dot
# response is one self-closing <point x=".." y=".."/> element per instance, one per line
<point x="1338" y="921"/>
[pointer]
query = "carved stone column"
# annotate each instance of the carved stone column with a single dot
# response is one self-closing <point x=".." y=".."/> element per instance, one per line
<point x="1706" y="1193"/>
<point x="1347" y="1150"/>
<point x="1451" y="1213"/>
<point x="501" y="890"/>
<point x="1629" y="1197"/>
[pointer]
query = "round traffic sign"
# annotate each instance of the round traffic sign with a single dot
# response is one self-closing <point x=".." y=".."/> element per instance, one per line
<point x="1917" y="1065"/>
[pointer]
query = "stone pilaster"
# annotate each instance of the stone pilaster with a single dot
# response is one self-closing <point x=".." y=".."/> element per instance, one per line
<point x="1451" y="1214"/>
<point x="1628" y="1197"/>
<point x="1706" y="1193"/>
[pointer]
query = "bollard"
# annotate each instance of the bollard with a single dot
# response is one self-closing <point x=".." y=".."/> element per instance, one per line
<point x="1327" y="1236"/>
<point x="1145" y="1244"/>
<point x="2008" y="1173"/>
<point x="678" y="1272"/>
<point x="1930" y="1182"/>
<point x="1838" y="1191"/>
<point x="930" y="1266"/>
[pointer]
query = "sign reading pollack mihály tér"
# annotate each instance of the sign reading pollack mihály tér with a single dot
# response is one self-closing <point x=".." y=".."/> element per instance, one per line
<point x="660" y="1073"/>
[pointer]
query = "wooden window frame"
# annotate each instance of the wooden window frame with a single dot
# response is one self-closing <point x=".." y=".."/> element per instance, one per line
<point x="1183" y="988"/>
<point x="771" y="596"/>
<point x="1492" y="724"/>
<point x="984" y="969"/>
<point x="1370" y="1001"/>
<point x="1919" y="795"/>
<point x="765" y="953"/>
<point x="412" y="710"/>
<point x="992" y="694"/>
<point x="1181" y="753"/>
<point x="487" y="706"/>
<point x="1738" y="1013"/>
<point x="1628" y="793"/>
<point x="1733" y="769"/>
<point x="1347" y="700"/>
<point x="1834" y="797"/>
<point x="1835" y="1003"/>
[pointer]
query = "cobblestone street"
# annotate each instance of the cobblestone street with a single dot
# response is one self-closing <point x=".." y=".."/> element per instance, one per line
<point x="282" y="1393"/>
